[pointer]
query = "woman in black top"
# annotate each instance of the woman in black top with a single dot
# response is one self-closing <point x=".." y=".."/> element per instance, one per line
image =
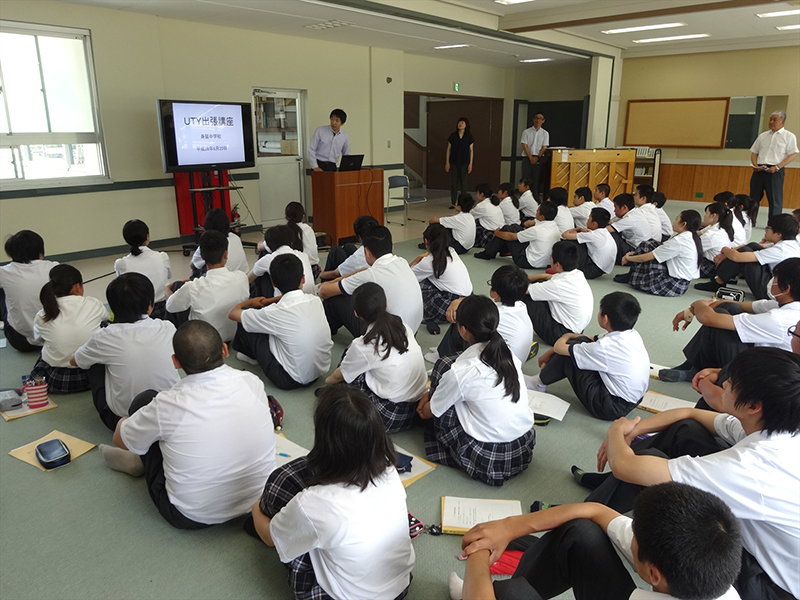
<point x="459" y="158"/>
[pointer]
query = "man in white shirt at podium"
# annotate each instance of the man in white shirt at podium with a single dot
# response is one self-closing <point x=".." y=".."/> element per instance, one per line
<point x="329" y="141"/>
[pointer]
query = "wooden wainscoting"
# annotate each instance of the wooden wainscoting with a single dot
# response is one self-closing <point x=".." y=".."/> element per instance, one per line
<point x="685" y="182"/>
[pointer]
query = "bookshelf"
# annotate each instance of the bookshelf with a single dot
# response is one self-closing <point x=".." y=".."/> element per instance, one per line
<point x="647" y="167"/>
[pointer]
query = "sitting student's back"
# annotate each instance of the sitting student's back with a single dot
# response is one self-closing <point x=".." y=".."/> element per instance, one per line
<point x="141" y="259"/>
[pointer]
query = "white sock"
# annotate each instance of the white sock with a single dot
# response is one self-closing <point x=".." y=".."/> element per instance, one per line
<point x="456" y="586"/>
<point x="246" y="359"/>
<point x="533" y="382"/>
<point x="122" y="460"/>
<point x="432" y="356"/>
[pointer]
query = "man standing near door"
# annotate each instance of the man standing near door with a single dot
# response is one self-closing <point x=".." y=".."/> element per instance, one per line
<point x="329" y="141"/>
<point x="535" y="141"/>
<point x="771" y="152"/>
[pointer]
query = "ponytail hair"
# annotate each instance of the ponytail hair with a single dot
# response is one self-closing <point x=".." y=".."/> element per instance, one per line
<point x="511" y="191"/>
<point x="369" y="303"/>
<point x="748" y="206"/>
<point x="62" y="279"/>
<point x="692" y="220"/>
<point x="725" y="217"/>
<point x="494" y="199"/>
<point x="135" y="233"/>
<point x="295" y="213"/>
<point x="438" y="238"/>
<point x="733" y="203"/>
<point x="479" y="316"/>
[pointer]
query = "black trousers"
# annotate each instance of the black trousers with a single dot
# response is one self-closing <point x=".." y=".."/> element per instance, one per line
<point x="545" y="326"/>
<point x="458" y="181"/>
<point x="623" y="247"/>
<point x="577" y="555"/>
<point x="97" y="382"/>
<point x="755" y="274"/>
<point x="585" y="262"/>
<point x="712" y="347"/>
<point x="534" y="173"/>
<point x="587" y="385"/>
<point x="456" y="245"/>
<point x="339" y="312"/>
<point x="337" y="255"/>
<point x="154" y="475"/>
<point x="762" y="182"/>
<point x="452" y="343"/>
<point x="516" y="248"/>
<point x="256" y="345"/>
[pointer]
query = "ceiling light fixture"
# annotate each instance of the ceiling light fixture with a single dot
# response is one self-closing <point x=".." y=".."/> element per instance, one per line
<point x="673" y="38"/>
<point x="644" y="28"/>
<point x="451" y="46"/>
<point x="507" y="2"/>
<point x="788" y="27"/>
<point x="535" y="60"/>
<point x="780" y="13"/>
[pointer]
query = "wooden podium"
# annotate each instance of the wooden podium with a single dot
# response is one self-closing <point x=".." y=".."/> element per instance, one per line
<point x="572" y="169"/>
<point x="341" y="196"/>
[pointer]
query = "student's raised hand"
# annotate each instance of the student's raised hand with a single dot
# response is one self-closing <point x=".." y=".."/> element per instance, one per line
<point x="545" y="358"/>
<point x="493" y="536"/>
<point x="710" y="375"/>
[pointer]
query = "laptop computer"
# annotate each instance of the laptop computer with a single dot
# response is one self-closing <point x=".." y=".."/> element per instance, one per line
<point x="351" y="162"/>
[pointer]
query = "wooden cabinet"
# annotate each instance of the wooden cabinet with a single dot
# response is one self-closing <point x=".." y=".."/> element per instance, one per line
<point x="339" y="197"/>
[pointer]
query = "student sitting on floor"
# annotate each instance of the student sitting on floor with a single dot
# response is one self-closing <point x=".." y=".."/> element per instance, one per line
<point x="461" y="225"/>
<point x="210" y="298"/>
<point x="508" y="286"/>
<point x="754" y="261"/>
<point x="667" y="269"/>
<point x="642" y="198"/>
<point x="682" y="541"/>
<point x="602" y="200"/>
<point x="153" y="265"/>
<point x="596" y="248"/>
<point x="338" y="517"/>
<point x="749" y="211"/>
<point x="288" y="335"/>
<point x="630" y="227"/>
<point x="279" y="240"/>
<point x="483" y="424"/>
<point x="659" y="200"/>
<point x="527" y="203"/>
<point x="757" y="476"/>
<point x="717" y="233"/>
<point x="559" y="196"/>
<point x="508" y="204"/>
<point x="740" y="234"/>
<point x="295" y="220"/>
<point x="561" y="302"/>
<point x="206" y="445"/>
<point x="442" y="276"/>
<point x="67" y="320"/>
<point x="346" y="259"/>
<point x="581" y="206"/>
<point x="729" y="328"/>
<point x="21" y="280"/>
<point x="531" y="247"/>
<point x="218" y="220"/>
<point x="487" y="214"/>
<point x="609" y="374"/>
<point x="390" y="272"/>
<point x="132" y="354"/>
<point x="385" y="363"/>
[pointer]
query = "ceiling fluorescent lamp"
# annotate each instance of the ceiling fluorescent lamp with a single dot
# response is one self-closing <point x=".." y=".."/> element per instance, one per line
<point x="535" y="60"/>
<point x="507" y="2"/>
<point x="782" y="13"/>
<point x="673" y="38"/>
<point x="451" y="46"/>
<point x="644" y="28"/>
<point x="788" y="27"/>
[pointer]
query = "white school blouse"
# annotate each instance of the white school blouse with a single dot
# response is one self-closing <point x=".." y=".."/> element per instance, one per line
<point x="769" y="324"/>
<point x="569" y="297"/>
<point x="357" y="540"/>
<point x="608" y="204"/>
<point x="358" y="260"/>
<point x="666" y="223"/>
<point x="216" y="436"/>
<point x="564" y="219"/>
<point x="397" y="378"/>
<point x="262" y="267"/>
<point x="462" y="228"/>
<point x="309" y="243"/>
<point x="601" y="248"/>
<point x="137" y="356"/>
<point x="488" y="215"/>
<point x="528" y="204"/>
<point x="153" y="265"/>
<point x="540" y="238"/>
<point x="516" y="328"/>
<point x="22" y="283"/>
<point x="758" y="478"/>
<point x="510" y="212"/>
<point x="748" y="227"/>
<point x="649" y="211"/>
<point x="778" y="253"/>
<point x="580" y="213"/>
<point x="714" y="239"/>
<point x="740" y="237"/>
<point x="78" y="318"/>
<point x="299" y="335"/>
<point x="633" y="227"/>
<point x="483" y="409"/>
<point x="455" y="278"/>
<point x="680" y="254"/>
<point x="237" y="260"/>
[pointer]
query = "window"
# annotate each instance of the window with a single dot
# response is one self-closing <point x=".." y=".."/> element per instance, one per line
<point x="49" y="120"/>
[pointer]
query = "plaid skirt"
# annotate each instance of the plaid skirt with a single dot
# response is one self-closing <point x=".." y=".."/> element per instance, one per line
<point x="435" y="302"/>
<point x="396" y="416"/>
<point x="482" y="236"/>
<point x="707" y="268"/>
<point x="159" y="310"/>
<point x="653" y="277"/>
<point x="61" y="380"/>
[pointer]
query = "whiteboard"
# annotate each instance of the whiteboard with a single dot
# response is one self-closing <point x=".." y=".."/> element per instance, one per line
<point x="677" y="123"/>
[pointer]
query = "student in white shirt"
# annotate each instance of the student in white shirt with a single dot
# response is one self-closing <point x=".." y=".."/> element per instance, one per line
<point x="754" y="261"/>
<point x="561" y="302"/>
<point x="716" y="234"/>
<point x="527" y="203"/>
<point x="442" y="277"/>
<point x="602" y="200"/>
<point x="609" y="374"/>
<point x="207" y="444"/>
<point x="153" y="265"/>
<point x="338" y="517"/>
<point x="346" y="259"/>
<point x="390" y="272"/>
<point x="132" y="354"/>
<point x="581" y="206"/>
<point x="530" y="247"/>
<point x="483" y="424"/>
<point x="596" y="248"/>
<point x="295" y="219"/>
<point x="21" y="280"/>
<point x="659" y="200"/>
<point x="643" y="199"/>
<point x="280" y="240"/>
<point x="461" y="225"/>
<point x="630" y="227"/>
<point x="683" y="542"/>
<point x="385" y="363"/>
<point x="218" y="220"/>
<point x="210" y="298"/>
<point x="559" y="196"/>
<point x="66" y="321"/>
<point x="487" y="214"/>
<point x="288" y="335"/>
<point x="508" y="204"/>
<point x="749" y="212"/>
<point x="757" y="475"/>
<point x="667" y="269"/>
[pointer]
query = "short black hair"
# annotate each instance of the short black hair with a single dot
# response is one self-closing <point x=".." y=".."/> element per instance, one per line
<point x="565" y="253"/>
<point x="548" y="210"/>
<point x="25" y="246"/>
<point x="508" y="188"/>
<point x="466" y="122"/>
<point x="130" y="296"/>
<point x="604" y="188"/>
<point x="584" y="192"/>
<point x="558" y="196"/>
<point x="796" y="214"/>
<point x="277" y="236"/>
<point x="600" y="216"/>
<point x="659" y="199"/>
<point x="691" y="536"/>
<point x="645" y="190"/>
<point x="135" y="233"/>
<point x="363" y="224"/>
<point x="725" y="197"/>
<point x="510" y="283"/>
<point x="338" y="112"/>
<point x="485" y="189"/>
<point x="198" y="347"/>
<point x="622" y="310"/>
<point x="786" y="225"/>
<point x="217" y="220"/>
<point x="787" y="275"/>
<point x="213" y="245"/>
<point x="466" y="202"/>
<point x="351" y="445"/>
<point x="622" y="200"/>
<point x="770" y="377"/>
<point x="527" y="181"/>
<point x="286" y="272"/>
<point x="378" y="241"/>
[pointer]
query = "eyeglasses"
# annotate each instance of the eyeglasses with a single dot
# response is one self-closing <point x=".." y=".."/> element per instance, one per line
<point x="793" y="331"/>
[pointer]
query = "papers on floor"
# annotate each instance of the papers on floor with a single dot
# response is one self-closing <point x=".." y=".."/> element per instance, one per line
<point x="547" y="404"/>
<point x="27" y="453"/>
<point x="654" y="369"/>
<point x="459" y="515"/>
<point x="656" y="403"/>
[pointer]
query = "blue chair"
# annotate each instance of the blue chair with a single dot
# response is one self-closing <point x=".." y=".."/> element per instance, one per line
<point x="401" y="182"/>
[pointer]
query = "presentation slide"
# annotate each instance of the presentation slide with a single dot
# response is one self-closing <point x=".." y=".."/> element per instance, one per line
<point x="208" y="134"/>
